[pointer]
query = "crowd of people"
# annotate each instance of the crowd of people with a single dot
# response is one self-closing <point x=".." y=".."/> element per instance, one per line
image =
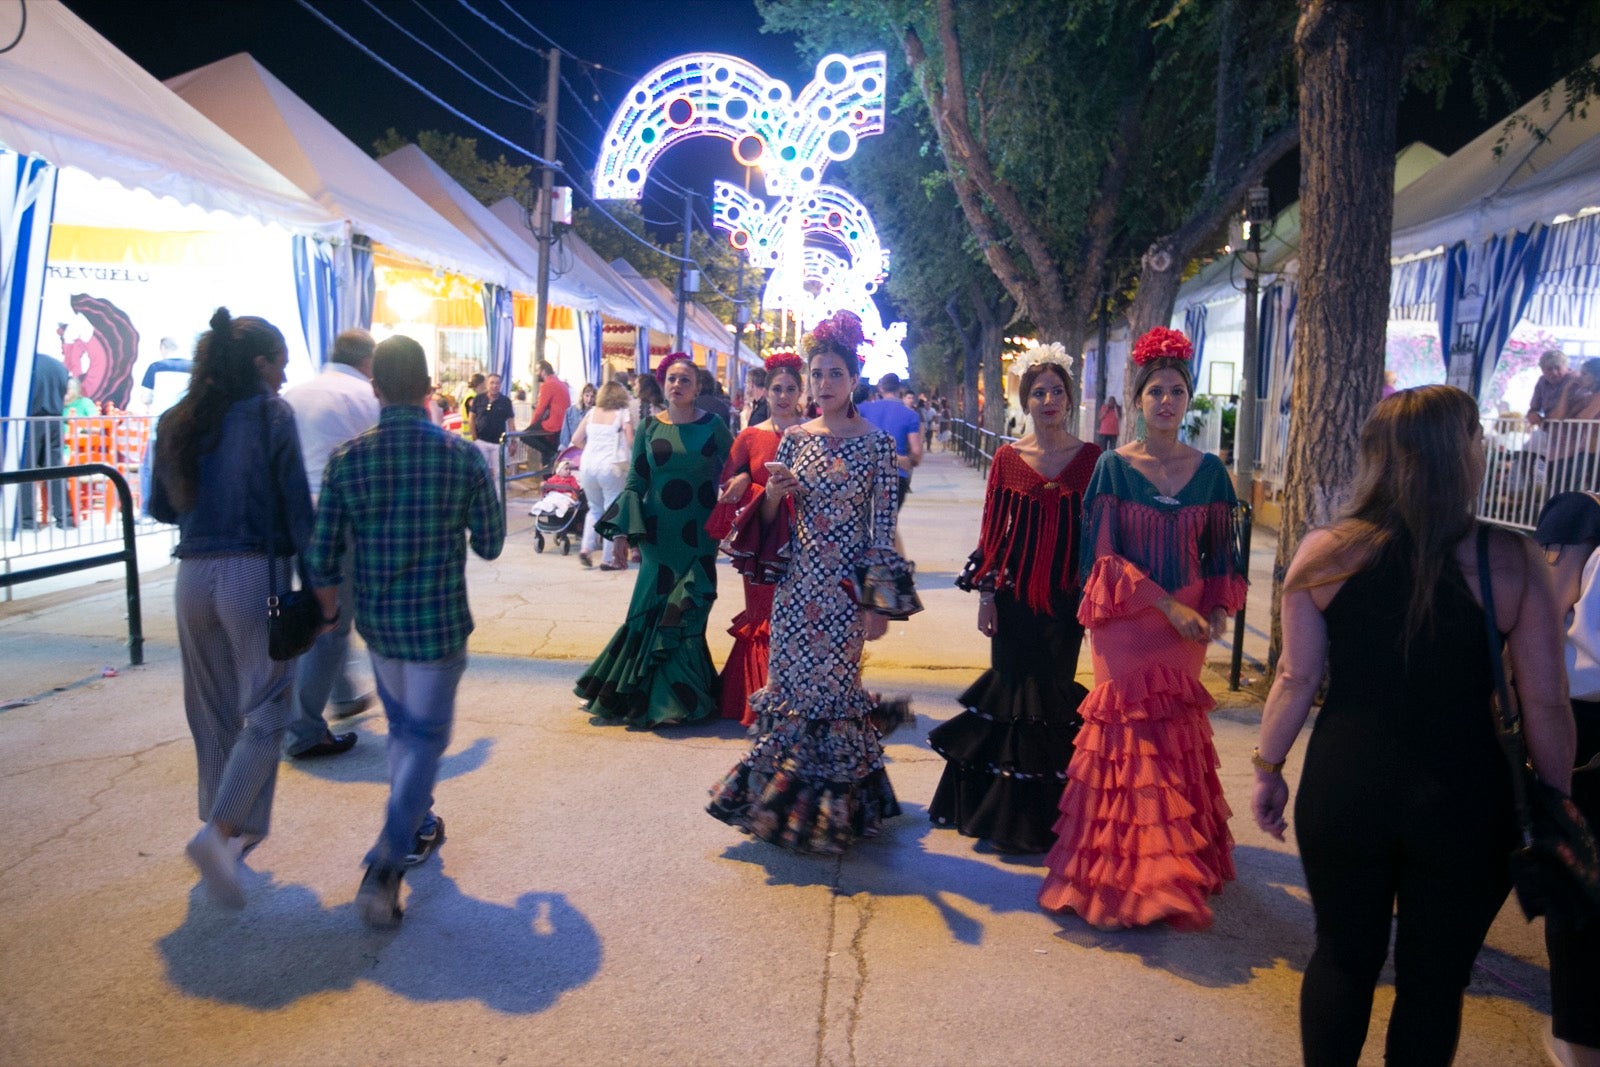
<point x="1404" y="812"/>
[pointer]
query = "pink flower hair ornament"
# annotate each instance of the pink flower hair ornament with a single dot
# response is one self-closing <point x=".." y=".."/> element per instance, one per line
<point x="1162" y="343"/>
<point x="842" y="330"/>
<point x="668" y="360"/>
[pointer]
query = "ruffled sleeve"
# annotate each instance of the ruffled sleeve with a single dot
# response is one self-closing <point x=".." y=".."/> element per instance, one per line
<point x="625" y="516"/>
<point x="883" y="580"/>
<point x="979" y="572"/>
<point x="1113" y="586"/>
<point x="760" y="550"/>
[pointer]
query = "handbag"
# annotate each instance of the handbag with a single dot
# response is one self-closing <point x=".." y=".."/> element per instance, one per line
<point x="294" y="617"/>
<point x="1555" y="867"/>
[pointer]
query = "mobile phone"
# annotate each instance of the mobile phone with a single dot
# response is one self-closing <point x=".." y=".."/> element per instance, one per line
<point x="774" y="468"/>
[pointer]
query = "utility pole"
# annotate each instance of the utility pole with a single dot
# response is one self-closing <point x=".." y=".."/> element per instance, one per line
<point x="544" y="215"/>
<point x="740" y="317"/>
<point x="683" y="267"/>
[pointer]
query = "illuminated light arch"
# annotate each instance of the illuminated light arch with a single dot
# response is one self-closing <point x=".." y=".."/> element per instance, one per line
<point x="824" y="283"/>
<point x="769" y="236"/>
<point x="792" y="139"/>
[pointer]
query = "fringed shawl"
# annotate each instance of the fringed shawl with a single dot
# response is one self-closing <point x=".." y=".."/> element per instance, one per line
<point x="1174" y="541"/>
<point x="1028" y="545"/>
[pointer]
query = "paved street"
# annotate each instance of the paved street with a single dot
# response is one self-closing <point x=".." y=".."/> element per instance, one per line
<point x="584" y="909"/>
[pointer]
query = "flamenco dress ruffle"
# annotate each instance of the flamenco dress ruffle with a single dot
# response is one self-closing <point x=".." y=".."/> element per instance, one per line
<point x="745" y="672"/>
<point x="781" y="792"/>
<point x="1007" y="753"/>
<point x="1143" y="832"/>
<point x="656" y="669"/>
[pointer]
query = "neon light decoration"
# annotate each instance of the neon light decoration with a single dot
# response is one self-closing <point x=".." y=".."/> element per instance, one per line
<point x="768" y="236"/>
<point x="799" y="239"/>
<point x="706" y="94"/>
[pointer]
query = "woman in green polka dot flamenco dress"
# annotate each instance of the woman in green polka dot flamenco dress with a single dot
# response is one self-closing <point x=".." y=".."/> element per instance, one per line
<point x="656" y="669"/>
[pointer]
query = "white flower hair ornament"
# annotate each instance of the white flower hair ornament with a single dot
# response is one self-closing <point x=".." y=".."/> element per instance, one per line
<point x="1050" y="353"/>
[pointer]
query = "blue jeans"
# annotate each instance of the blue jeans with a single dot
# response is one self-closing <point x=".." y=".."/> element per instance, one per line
<point x="420" y="702"/>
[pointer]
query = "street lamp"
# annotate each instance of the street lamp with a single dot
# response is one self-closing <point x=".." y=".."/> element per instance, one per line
<point x="1258" y="217"/>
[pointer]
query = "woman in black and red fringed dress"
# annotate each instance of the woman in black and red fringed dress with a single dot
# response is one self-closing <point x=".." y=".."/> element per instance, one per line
<point x="1007" y="753"/>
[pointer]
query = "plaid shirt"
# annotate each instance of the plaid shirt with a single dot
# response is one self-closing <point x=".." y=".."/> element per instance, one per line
<point x="406" y="490"/>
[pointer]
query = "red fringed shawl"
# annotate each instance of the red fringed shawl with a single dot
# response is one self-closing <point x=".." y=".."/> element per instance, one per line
<point x="1028" y="545"/>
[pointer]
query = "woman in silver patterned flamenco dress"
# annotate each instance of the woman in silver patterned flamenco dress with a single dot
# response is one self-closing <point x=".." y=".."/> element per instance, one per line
<point x="824" y="530"/>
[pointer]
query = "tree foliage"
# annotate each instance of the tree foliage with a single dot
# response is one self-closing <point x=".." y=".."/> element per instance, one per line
<point x="489" y="181"/>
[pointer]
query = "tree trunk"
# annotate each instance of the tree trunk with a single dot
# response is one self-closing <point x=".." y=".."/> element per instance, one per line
<point x="1350" y="55"/>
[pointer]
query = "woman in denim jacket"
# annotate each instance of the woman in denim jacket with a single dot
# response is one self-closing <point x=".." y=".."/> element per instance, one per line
<point x="228" y="468"/>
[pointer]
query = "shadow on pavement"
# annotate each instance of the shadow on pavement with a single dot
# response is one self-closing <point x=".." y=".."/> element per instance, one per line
<point x="1261" y="919"/>
<point x="368" y="762"/>
<point x="450" y="947"/>
<point x="897" y="864"/>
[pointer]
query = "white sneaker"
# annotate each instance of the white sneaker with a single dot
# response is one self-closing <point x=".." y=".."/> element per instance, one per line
<point x="219" y="869"/>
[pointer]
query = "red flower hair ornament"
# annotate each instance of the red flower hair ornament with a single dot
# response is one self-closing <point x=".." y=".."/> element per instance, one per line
<point x="1162" y="343"/>
<point x="789" y="361"/>
<point x="841" y="329"/>
<point x="668" y="360"/>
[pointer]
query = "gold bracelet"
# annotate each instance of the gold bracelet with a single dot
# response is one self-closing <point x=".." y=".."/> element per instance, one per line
<point x="1263" y="765"/>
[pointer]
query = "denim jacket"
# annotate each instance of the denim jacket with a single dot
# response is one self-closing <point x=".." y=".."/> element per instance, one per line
<point x="239" y="467"/>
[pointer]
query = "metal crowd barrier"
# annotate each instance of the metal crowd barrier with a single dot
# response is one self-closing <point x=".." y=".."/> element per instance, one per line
<point x="976" y="445"/>
<point x="1525" y="467"/>
<point x="127" y="556"/>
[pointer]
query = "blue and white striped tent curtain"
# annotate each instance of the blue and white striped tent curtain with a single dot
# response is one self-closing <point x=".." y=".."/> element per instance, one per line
<point x="27" y="203"/>
<point x="1279" y="303"/>
<point x="589" y="342"/>
<point x="1194" y="324"/>
<point x="313" y="289"/>
<point x="641" y="351"/>
<point x="497" y="323"/>
<point x="1567" y="292"/>
<point x="1504" y="270"/>
<point x="356" y="290"/>
<point x="1414" y="288"/>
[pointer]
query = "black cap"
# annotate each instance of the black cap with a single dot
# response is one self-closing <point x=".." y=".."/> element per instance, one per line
<point x="1569" y="519"/>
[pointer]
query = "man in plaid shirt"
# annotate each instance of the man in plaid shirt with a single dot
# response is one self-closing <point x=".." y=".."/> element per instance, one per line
<point x="406" y="491"/>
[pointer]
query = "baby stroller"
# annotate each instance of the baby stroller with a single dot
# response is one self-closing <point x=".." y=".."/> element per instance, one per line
<point x="560" y="512"/>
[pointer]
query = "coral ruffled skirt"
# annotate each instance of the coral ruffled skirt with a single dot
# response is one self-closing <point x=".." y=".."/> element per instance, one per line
<point x="1143" y="832"/>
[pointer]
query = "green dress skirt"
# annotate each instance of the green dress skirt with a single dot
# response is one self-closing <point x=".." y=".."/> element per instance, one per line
<point x="656" y="670"/>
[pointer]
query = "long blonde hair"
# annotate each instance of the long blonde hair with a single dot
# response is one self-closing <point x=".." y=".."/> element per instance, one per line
<point x="1415" y="490"/>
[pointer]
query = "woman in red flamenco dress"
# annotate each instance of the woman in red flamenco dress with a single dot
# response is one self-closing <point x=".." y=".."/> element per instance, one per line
<point x="744" y="479"/>
<point x="1143" y="831"/>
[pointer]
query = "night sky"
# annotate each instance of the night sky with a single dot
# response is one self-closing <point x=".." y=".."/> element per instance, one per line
<point x="624" y="37"/>
<point x="361" y="98"/>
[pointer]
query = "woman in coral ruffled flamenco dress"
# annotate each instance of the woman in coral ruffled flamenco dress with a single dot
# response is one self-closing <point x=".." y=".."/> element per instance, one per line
<point x="744" y="479"/>
<point x="1143" y="833"/>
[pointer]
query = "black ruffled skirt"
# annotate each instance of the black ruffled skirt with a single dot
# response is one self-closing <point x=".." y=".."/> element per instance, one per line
<point x="1007" y="753"/>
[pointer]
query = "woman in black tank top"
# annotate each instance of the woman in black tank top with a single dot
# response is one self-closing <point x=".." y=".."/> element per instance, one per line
<point x="1405" y="801"/>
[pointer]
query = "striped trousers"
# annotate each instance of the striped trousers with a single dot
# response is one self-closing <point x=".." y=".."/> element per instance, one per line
<point x="236" y="697"/>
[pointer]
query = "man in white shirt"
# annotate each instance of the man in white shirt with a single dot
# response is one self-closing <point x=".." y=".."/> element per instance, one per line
<point x="329" y="410"/>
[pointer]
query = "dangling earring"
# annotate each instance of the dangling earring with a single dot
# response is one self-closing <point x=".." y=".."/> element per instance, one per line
<point x="850" y="408"/>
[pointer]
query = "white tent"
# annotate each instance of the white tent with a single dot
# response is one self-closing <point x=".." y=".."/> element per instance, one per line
<point x="1535" y="166"/>
<point x="89" y="139"/>
<point x="445" y="195"/>
<point x="69" y="97"/>
<point x="244" y="98"/>
<point x="582" y="269"/>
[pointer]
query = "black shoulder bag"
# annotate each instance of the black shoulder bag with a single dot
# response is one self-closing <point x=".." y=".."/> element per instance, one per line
<point x="1556" y="865"/>
<point x="293" y="617"/>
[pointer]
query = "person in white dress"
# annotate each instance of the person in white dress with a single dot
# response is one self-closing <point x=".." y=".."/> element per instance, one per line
<point x="606" y="437"/>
